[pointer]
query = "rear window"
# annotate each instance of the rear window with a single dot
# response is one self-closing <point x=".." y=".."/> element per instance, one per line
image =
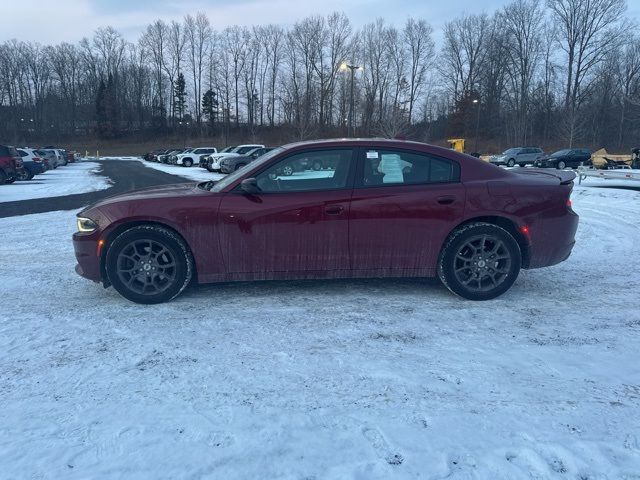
<point x="13" y="152"/>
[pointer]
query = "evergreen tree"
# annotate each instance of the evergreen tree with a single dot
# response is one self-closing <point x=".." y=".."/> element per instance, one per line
<point x="210" y="106"/>
<point x="180" y="96"/>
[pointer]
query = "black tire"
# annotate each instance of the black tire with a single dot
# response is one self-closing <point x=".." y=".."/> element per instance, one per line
<point x="24" y="175"/>
<point x="561" y="165"/>
<point x="460" y="266"/>
<point x="522" y="165"/>
<point x="9" y="180"/>
<point x="240" y="165"/>
<point x="167" y="275"/>
<point x="187" y="162"/>
<point x="3" y="178"/>
<point x="511" y="162"/>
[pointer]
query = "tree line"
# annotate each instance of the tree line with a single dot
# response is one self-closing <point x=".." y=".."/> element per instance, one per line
<point x="562" y="72"/>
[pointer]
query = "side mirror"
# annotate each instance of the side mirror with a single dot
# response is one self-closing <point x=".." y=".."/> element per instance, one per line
<point x="250" y="186"/>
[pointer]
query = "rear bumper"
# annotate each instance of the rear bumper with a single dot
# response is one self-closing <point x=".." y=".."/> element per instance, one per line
<point x="87" y="255"/>
<point x="553" y="241"/>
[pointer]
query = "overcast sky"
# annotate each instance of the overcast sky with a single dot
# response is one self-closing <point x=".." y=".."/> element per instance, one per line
<point x="55" y="21"/>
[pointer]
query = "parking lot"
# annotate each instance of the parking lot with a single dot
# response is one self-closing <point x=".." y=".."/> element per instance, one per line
<point x="355" y="379"/>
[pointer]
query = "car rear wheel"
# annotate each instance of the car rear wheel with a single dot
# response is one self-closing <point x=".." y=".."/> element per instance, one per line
<point x="561" y="165"/>
<point x="479" y="261"/>
<point x="187" y="162"/>
<point x="149" y="264"/>
<point x="511" y="162"/>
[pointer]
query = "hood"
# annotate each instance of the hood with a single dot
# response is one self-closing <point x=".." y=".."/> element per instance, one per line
<point x="165" y="191"/>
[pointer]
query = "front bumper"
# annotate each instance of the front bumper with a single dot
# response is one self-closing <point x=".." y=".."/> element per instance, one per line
<point x="87" y="255"/>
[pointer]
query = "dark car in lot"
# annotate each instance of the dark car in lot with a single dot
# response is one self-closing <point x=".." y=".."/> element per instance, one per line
<point x="10" y="164"/>
<point x="389" y="208"/>
<point x="569" y="157"/>
<point x="236" y="162"/>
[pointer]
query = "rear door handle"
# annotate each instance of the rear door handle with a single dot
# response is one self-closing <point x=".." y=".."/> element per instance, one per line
<point x="446" y="200"/>
<point x="334" y="209"/>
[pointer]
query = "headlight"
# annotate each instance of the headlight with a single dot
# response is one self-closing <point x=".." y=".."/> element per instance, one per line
<point x="86" y="225"/>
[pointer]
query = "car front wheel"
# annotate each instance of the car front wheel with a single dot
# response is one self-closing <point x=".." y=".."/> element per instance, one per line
<point x="149" y="264"/>
<point x="479" y="261"/>
<point x="561" y="165"/>
<point x="187" y="162"/>
<point x="511" y="162"/>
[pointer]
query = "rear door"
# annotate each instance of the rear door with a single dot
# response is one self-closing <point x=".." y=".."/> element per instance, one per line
<point x="403" y="206"/>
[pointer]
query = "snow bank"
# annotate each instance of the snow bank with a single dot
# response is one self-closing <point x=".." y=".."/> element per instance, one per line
<point x="73" y="178"/>
<point x="348" y="379"/>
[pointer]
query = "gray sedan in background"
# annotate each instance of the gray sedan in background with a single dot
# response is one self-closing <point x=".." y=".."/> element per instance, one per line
<point x="517" y="156"/>
<point x="235" y="162"/>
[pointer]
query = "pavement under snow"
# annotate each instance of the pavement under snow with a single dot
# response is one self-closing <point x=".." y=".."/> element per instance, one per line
<point x="369" y="379"/>
<point x="77" y="177"/>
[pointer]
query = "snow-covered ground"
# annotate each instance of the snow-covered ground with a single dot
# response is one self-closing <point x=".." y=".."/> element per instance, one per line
<point x="326" y="380"/>
<point x="78" y="177"/>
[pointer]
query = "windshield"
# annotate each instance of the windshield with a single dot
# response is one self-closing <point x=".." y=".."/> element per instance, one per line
<point x="510" y="151"/>
<point x="559" y="153"/>
<point x="229" y="179"/>
<point x="228" y="149"/>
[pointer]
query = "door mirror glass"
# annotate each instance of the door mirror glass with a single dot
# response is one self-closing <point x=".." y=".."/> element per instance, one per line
<point x="250" y="186"/>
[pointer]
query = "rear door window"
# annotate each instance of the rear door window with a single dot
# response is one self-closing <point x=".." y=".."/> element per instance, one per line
<point x="389" y="167"/>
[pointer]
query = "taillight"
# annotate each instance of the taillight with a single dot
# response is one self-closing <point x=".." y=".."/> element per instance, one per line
<point x="37" y="159"/>
<point x="569" y="203"/>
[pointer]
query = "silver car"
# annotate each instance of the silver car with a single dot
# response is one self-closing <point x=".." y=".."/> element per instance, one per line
<point x="517" y="156"/>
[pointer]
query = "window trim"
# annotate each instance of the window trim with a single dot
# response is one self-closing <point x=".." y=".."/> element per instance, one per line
<point x="359" y="174"/>
<point x="349" y="185"/>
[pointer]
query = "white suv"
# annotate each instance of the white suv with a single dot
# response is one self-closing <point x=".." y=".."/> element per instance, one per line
<point x="214" y="165"/>
<point x="187" y="159"/>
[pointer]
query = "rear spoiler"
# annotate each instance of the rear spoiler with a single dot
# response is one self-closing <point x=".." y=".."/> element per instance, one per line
<point x="565" y="176"/>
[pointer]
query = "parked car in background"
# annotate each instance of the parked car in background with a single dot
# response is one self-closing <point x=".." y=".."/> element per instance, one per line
<point x="213" y="164"/>
<point x="164" y="158"/>
<point x="188" y="158"/>
<point x="205" y="159"/>
<point x="569" y="157"/>
<point x="153" y="156"/>
<point x="235" y="162"/>
<point x="389" y="208"/>
<point x="517" y="156"/>
<point x="32" y="163"/>
<point x="50" y="156"/>
<point x="10" y="164"/>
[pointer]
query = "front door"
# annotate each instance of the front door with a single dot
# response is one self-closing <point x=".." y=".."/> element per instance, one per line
<point x="298" y="222"/>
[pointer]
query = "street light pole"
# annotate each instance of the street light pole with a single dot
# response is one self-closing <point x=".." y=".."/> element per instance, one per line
<point x="353" y="68"/>
<point x="477" y="103"/>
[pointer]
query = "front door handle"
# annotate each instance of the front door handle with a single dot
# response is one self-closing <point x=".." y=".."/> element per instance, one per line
<point x="446" y="200"/>
<point x="334" y="209"/>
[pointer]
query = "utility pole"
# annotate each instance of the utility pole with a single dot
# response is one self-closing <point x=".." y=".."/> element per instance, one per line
<point x="477" y="104"/>
<point x="352" y="68"/>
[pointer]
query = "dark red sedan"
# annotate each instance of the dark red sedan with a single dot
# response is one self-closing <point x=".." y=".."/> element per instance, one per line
<point x="334" y="209"/>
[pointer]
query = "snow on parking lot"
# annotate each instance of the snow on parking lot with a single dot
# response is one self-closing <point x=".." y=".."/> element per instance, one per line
<point x="370" y="379"/>
<point x="77" y="177"/>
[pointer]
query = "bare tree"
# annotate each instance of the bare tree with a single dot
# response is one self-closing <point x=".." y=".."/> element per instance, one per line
<point x="587" y="31"/>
